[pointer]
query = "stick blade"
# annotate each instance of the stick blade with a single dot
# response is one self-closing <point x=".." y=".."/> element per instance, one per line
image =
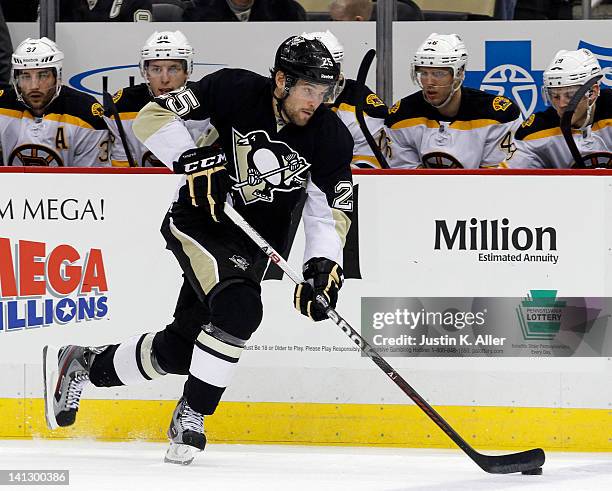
<point x="364" y="68"/>
<point x="516" y="462"/>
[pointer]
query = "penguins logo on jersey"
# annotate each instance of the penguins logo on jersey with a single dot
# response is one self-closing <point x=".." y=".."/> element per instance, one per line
<point x="239" y="262"/>
<point x="264" y="166"/>
<point x="34" y="155"/>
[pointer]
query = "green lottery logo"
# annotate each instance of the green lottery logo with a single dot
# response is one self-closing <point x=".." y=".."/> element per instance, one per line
<point x="539" y="315"/>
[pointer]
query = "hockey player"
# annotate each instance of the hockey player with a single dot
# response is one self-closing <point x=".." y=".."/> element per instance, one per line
<point x="105" y="11"/>
<point x="166" y="62"/>
<point x="276" y="139"/>
<point x="346" y="101"/>
<point x="45" y="123"/>
<point x="446" y="125"/>
<point x="539" y="141"/>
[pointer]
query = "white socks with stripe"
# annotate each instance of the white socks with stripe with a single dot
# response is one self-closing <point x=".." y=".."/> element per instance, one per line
<point x="134" y="361"/>
<point x="215" y="356"/>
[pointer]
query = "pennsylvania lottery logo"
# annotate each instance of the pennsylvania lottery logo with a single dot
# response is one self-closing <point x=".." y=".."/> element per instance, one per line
<point x="539" y="315"/>
<point x="41" y="285"/>
<point x="509" y="72"/>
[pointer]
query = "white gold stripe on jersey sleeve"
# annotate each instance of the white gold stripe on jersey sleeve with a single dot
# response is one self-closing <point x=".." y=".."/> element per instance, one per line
<point x="325" y="227"/>
<point x="162" y="132"/>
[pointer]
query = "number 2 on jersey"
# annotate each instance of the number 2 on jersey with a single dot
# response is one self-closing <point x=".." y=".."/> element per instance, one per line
<point x="344" y="200"/>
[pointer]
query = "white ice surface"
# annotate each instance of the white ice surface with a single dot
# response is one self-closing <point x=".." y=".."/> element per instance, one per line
<point x="135" y="466"/>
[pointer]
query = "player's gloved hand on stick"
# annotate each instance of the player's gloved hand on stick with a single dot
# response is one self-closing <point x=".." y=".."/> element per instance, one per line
<point x="207" y="178"/>
<point x="321" y="276"/>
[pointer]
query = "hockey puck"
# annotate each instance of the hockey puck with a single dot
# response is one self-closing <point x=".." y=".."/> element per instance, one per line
<point x="533" y="472"/>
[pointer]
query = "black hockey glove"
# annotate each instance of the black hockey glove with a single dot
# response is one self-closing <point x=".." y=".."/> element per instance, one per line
<point x="321" y="276"/>
<point x="207" y="178"/>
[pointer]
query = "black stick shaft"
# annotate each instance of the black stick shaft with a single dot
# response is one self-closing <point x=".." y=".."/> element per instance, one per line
<point x="111" y="108"/>
<point x="501" y="464"/>
<point x="566" y="119"/>
<point x="362" y="74"/>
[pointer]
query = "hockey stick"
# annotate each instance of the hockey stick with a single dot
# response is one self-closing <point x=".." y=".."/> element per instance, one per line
<point x="362" y="74"/>
<point x="261" y="176"/>
<point x="528" y="462"/>
<point x="109" y="106"/>
<point x="566" y="119"/>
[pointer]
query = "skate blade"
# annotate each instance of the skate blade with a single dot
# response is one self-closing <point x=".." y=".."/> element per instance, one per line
<point x="180" y="454"/>
<point x="50" y="371"/>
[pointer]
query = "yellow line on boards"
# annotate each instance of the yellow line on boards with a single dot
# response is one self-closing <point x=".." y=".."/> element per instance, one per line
<point x="326" y="424"/>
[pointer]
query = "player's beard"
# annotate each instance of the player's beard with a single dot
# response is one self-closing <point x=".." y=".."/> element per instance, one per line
<point x="40" y="98"/>
<point x="297" y="113"/>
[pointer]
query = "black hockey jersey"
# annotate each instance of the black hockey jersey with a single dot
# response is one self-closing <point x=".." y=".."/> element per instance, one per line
<point x="480" y="135"/>
<point x="72" y="131"/>
<point x="540" y="143"/>
<point x="374" y="113"/>
<point x="105" y="10"/>
<point x="129" y="101"/>
<point x="287" y="158"/>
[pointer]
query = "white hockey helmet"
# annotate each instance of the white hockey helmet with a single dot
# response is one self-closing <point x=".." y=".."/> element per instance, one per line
<point x="330" y="41"/>
<point x="569" y="68"/>
<point x="441" y="50"/>
<point x="167" y="45"/>
<point x="35" y="53"/>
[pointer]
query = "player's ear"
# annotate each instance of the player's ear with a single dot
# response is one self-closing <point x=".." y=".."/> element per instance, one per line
<point x="279" y="78"/>
<point x="594" y="93"/>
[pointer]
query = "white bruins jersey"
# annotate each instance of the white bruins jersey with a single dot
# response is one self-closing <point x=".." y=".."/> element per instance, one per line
<point x="374" y="113"/>
<point x="129" y="101"/>
<point x="540" y="143"/>
<point x="70" y="133"/>
<point x="479" y="136"/>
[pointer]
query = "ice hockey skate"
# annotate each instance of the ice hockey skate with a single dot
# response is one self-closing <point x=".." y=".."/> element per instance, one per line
<point x="186" y="434"/>
<point x="65" y="373"/>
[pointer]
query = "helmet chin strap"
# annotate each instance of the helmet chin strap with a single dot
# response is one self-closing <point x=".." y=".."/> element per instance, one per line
<point x="279" y="108"/>
<point x="280" y="100"/>
<point x="20" y="98"/>
<point x="589" y="114"/>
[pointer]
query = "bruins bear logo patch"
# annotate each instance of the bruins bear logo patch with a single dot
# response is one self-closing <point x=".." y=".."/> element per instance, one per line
<point x="501" y="103"/>
<point x="117" y="96"/>
<point x="395" y="107"/>
<point x="374" y="100"/>
<point x="529" y="121"/>
<point x="97" y="110"/>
